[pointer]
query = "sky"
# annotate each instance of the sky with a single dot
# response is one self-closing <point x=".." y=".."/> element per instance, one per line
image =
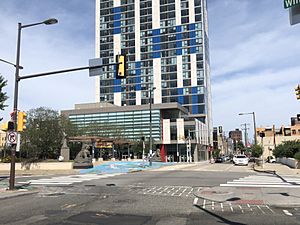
<point x="254" y="54"/>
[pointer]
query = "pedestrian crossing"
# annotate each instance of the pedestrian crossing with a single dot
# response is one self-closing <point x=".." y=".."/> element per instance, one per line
<point x="253" y="209"/>
<point x="169" y="190"/>
<point x="265" y="181"/>
<point x="68" y="180"/>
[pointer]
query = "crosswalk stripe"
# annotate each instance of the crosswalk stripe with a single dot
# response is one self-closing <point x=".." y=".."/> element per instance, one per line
<point x="67" y="180"/>
<point x="268" y="180"/>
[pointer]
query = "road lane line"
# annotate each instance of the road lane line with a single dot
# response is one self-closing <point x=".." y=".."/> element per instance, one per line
<point x="286" y="212"/>
<point x="195" y="201"/>
<point x="260" y="209"/>
<point x="270" y="209"/>
<point x="230" y="207"/>
<point x="250" y="207"/>
<point x="241" y="208"/>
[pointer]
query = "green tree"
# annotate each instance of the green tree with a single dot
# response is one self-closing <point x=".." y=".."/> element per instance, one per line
<point x="3" y="96"/>
<point x="287" y="149"/>
<point x="240" y="146"/>
<point x="256" y="151"/>
<point x="45" y="130"/>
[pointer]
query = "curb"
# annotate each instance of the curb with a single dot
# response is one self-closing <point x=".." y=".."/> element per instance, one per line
<point x="16" y="194"/>
<point x="281" y="206"/>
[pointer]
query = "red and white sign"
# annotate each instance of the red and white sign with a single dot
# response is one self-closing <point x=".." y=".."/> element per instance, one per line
<point x="12" y="137"/>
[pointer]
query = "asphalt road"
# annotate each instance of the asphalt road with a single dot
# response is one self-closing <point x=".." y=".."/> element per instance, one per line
<point x="142" y="198"/>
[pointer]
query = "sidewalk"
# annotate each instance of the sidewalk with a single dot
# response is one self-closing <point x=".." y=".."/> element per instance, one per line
<point x="279" y="168"/>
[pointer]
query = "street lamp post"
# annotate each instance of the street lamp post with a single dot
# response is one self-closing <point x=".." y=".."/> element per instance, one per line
<point x="15" y="106"/>
<point x="151" y="141"/>
<point x="254" y="124"/>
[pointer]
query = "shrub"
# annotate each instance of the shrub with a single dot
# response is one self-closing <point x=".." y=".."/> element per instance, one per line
<point x="287" y="149"/>
<point x="256" y="151"/>
<point x="297" y="156"/>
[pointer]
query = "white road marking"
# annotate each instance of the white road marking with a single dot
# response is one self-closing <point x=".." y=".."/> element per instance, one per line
<point x="204" y="201"/>
<point x="260" y="209"/>
<point x="267" y="180"/>
<point x="286" y="212"/>
<point x="270" y="209"/>
<point x="250" y="207"/>
<point x="195" y="201"/>
<point x="222" y="207"/>
<point x="230" y="207"/>
<point x="241" y="208"/>
<point x="213" y="205"/>
<point x="67" y="180"/>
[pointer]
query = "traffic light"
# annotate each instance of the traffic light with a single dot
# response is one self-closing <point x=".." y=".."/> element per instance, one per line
<point x="121" y="66"/>
<point x="22" y="119"/>
<point x="8" y="126"/>
<point x="4" y="126"/>
<point x="297" y="90"/>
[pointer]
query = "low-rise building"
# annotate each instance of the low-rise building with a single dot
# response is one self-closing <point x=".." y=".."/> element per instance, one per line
<point x="270" y="137"/>
<point x="174" y="131"/>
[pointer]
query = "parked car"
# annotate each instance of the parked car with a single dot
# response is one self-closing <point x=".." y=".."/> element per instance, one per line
<point x="251" y="159"/>
<point x="271" y="159"/>
<point x="220" y="159"/>
<point x="240" y="160"/>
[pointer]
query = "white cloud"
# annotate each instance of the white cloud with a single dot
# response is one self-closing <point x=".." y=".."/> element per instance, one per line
<point x="68" y="44"/>
<point x="254" y="61"/>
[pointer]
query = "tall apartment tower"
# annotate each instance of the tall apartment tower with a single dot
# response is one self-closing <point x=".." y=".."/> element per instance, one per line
<point x="166" y="47"/>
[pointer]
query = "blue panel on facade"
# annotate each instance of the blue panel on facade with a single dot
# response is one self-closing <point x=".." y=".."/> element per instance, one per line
<point x="178" y="36"/>
<point x="192" y="26"/>
<point x="194" y="90"/>
<point x="180" y="95"/>
<point x="117" y="31"/>
<point x="116" y="10"/>
<point x="117" y="85"/>
<point x="178" y="28"/>
<point x="178" y="51"/>
<point x="156" y="55"/>
<point x="117" y="16"/>
<point x="156" y="39"/>
<point x="192" y="34"/>
<point x="192" y="50"/>
<point x="178" y="44"/>
<point x="155" y="32"/>
<point x="138" y="75"/>
<point x="117" y="24"/>
<point x="156" y="47"/>
<point x="194" y="100"/>
<point x="195" y="109"/>
<point x="193" y="42"/>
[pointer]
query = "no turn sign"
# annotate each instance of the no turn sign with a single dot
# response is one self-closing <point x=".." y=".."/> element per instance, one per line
<point x="12" y="137"/>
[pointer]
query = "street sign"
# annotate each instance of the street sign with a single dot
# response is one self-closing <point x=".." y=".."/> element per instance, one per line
<point x="96" y="71"/>
<point x="12" y="137"/>
<point x="294" y="13"/>
<point x="290" y="3"/>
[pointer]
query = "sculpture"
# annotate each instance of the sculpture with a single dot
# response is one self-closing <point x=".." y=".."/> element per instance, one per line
<point x="83" y="159"/>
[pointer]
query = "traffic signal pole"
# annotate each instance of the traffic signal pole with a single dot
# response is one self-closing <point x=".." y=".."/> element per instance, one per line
<point x="18" y="78"/>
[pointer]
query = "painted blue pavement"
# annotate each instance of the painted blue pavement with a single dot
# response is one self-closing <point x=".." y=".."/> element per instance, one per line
<point x="124" y="167"/>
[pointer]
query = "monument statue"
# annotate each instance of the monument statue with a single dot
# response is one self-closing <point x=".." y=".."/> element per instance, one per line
<point x="65" y="150"/>
<point x="83" y="159"/>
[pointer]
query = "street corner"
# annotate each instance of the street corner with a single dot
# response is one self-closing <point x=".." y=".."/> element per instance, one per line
<point x="283" y="198"/>
<point x="6" y="194"/>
